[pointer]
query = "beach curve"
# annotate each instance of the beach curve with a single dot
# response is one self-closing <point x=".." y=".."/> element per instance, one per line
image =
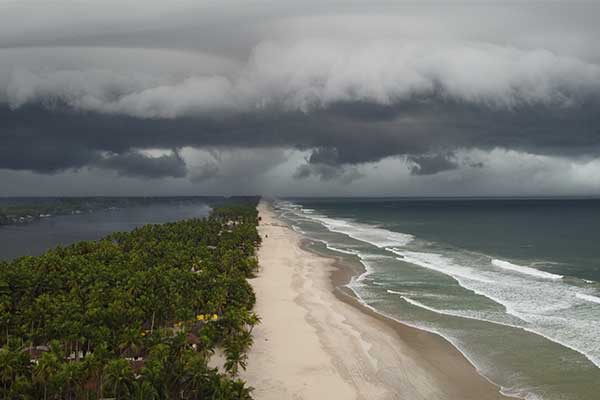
<point x="316" y="341"/>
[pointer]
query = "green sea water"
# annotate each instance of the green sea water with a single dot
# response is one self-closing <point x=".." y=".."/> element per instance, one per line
<point x="512" y="283"/>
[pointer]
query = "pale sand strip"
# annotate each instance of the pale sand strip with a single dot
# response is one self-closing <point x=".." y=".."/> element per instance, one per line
<point x="311" y="345"/>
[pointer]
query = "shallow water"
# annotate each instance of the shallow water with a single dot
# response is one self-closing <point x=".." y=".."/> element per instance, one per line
<point x="512" y="283"/>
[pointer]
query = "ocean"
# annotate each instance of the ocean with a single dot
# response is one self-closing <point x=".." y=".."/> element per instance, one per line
<point x="514" y="284"/>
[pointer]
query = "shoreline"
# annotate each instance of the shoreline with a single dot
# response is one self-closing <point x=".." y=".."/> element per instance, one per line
<point x="318" y="340"/>
<point x="342" y="275"/>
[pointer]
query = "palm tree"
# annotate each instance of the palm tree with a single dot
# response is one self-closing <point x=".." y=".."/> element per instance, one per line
<point x="153" y="374"/>
<point x="14" y="366"/>
<point x="144" y="390"/>
<point x="7" y="368"/>
<point x="119" y="377"/>
<point x="131" y="342"/>
<point x="225" y="388"/>
<point x="196" y="376"/>
<point x="71" y="377"/>
<point x="235" y="351"/>
<point x="240" y="391"/>
<point x="45" y="369"/>
<point x="95" y="363"/>
<point x="96" y="297"/>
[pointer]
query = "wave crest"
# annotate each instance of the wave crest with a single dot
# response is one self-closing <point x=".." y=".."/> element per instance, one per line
<point x="525" y="270"/>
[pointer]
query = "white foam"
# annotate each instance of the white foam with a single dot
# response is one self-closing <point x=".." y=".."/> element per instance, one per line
<point x="361" y="256"/>
<point x="533" y="300"/>
<point x="541" y="306"/>
<point x="459" y="313"/>
<point x="395" y="251"/>
<point x="431" y="329"/>
<point x="588" y="297"/>
<point x="368" y="271"/>
<point x="297" y="229"/>
<point x="364" y="232"/>
<point x="421" y="305"/>
<point x="370" y="256"/>
<point x="525" y="270"/>
<point x="343" y="251"/>
<point x="512" y="325"/>
<point x="441" y="264"/>
<point x="394" y="292"/>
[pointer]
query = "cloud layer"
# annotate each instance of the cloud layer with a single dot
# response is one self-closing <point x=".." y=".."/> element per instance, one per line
<point x="348" y="85"/>
<point x="317" y="74"/>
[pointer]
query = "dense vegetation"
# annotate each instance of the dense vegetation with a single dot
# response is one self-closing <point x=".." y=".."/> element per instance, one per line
<point x="135" y="315"/>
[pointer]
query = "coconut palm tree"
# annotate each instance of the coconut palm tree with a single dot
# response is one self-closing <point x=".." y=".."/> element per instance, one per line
<point x="144" y="390"/>
<point x="119" y="378"/>
<point x="102" y="301"/>
<point x="95" y="364"/>
<point x="196" y="377"/>
<point x="71" y="377"/>
<point x="45" y="370"/>
<point x="131" y="342"/>
<point x="7" y="368"/>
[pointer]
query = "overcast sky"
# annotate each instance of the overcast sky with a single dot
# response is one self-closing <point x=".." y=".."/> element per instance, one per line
<point x="299" y="98"/>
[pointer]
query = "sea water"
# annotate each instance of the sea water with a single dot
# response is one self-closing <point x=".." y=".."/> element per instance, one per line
<point x="512" y="283"/>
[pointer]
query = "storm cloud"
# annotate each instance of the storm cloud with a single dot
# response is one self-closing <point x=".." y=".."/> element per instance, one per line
<point x="136" y="164"/>
<point x="432" y="164"/>
<point x="346" y="85"/>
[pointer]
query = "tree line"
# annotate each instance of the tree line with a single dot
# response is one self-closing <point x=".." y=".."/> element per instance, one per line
<point x="135" y="315"/>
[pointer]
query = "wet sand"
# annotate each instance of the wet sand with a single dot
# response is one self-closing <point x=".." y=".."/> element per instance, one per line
<point x="316" y="341"/>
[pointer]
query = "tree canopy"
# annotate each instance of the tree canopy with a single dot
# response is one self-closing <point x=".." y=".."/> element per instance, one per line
<point x="134" y="315"/>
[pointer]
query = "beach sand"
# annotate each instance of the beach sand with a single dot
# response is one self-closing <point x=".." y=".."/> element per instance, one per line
<point x="318" y="342"/>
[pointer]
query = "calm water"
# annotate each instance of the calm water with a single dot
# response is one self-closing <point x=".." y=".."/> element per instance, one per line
<point x="36" y="237"/>
<point x="514" y="284"/>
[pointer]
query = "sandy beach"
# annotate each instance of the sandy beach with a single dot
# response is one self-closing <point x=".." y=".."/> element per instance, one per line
<point x="316" y="342"/>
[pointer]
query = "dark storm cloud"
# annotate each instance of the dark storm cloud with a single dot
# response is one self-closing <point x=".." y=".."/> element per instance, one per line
<point x="327" y="172"/>
<point x="206" y="171"/>
<point x="40" y="139"/>
<point x="432" y="164"/>
<point x="349" y="87"/>
<point x="234" y="164"/>
<point x="136" y="164"/>
<point x="324" y="155"/>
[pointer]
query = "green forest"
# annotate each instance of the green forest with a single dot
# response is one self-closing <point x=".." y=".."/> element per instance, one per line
<point x="136" y="315"/>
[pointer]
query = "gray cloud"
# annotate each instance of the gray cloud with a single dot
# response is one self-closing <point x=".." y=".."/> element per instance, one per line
<point x="327" y="172"/>
<point x="233" y="164"/>
<point x="205" y="171"/>
<point x="325" y="164"/>
<point x="136" y="164"/>
<point x="432" y="163"/>
<point x="348" y="87"/>
<point x="312" y="74"/>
